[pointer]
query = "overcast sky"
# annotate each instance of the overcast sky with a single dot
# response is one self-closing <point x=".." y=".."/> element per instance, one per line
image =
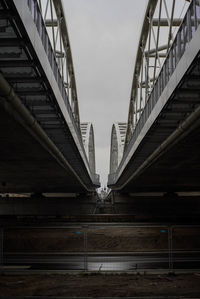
<point x="104" y="38"/>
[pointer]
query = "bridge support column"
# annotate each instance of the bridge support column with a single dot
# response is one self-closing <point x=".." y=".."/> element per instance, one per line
<point x="1" y="249"/>
<point x="85" y="229"/>
<point x="170" y="248"/>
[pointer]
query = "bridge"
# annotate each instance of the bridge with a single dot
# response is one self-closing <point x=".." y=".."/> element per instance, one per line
<point x="48" y="179"/>
<point x="48" y="150"/>
<point x="44" y="146"/>
<point x="159" y="150"/>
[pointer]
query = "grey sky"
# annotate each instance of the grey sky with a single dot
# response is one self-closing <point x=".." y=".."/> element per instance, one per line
<point x="104" y="37"/>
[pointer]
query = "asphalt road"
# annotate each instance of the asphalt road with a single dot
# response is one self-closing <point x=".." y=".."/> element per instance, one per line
<point x="103" y="262"/>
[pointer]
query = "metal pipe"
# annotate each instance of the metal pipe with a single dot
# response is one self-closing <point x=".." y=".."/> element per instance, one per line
<point x="154" y="50"/>
<point x="157" y="56"/>
<point x="51" y="23"/>
<point x="22" y="115"/>
<point x="164" y="22"/>
<point x="2" y="250"/>
<point x="170" y="36"/>
<point x="161" y="55"/>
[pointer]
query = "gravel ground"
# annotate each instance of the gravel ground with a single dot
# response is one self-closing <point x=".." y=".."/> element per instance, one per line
<point x="100" y="285"/>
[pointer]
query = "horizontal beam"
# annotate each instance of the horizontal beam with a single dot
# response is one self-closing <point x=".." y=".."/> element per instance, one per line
<point x="60" y="54"/>
<point x="17" y="63"/>
<point x="31" y="92"/>
<point x="143" y="83"/>
<point x="5" y="14"/>
<point x="25" y="79"/>
<point x="51" y="23"/>
<point x="154" y="50"/>
<point x="161" y="55"/>
<point x="164" y="22"/>
<point x="11" y="42"/>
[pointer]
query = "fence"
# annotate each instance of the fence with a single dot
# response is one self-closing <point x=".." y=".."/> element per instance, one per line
<point x="101" y="248"/>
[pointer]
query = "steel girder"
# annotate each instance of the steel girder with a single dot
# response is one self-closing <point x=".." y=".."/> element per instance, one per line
<point x="162" y="18"/>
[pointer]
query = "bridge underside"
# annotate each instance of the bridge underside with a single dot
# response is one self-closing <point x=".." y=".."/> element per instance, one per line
<point x="41" y="146"/>
<point x="25" y="166"/>
<point x="176" y="170"/>
<point x="168" y="159"/>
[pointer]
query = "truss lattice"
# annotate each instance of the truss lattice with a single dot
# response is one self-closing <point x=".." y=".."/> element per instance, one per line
<point x="161" y="22"/>
<point x="54" y="18"/>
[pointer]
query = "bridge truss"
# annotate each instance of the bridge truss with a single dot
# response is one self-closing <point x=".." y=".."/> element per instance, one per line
<point x="118" y="135"/>
<point x="87" y="133"/>
<point x="55" y="22"/>
<point x="161" y="22"/>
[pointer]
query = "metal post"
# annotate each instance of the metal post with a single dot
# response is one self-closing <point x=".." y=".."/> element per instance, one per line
<point x="1" y="248"/>
<point x="85" y="229"/>
<point x="113" y="202"/>
<point x="112" y="199"/>
<point x="170" y="248"/>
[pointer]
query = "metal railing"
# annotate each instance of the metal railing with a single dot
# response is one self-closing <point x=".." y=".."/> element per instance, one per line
<point x="184" y="35"/>
<point x="41" y="28"/>
<point x="102" y="247"/>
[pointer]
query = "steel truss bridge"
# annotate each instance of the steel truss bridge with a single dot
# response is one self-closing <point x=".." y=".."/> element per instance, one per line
<point x="44" y="146"/>
<point x="159" y="149"/>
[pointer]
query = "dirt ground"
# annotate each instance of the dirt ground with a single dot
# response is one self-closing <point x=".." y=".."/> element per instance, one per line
<point x="99" y="285"/>
<point x="100" y="239"/>
<point x="127" y="239"/>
